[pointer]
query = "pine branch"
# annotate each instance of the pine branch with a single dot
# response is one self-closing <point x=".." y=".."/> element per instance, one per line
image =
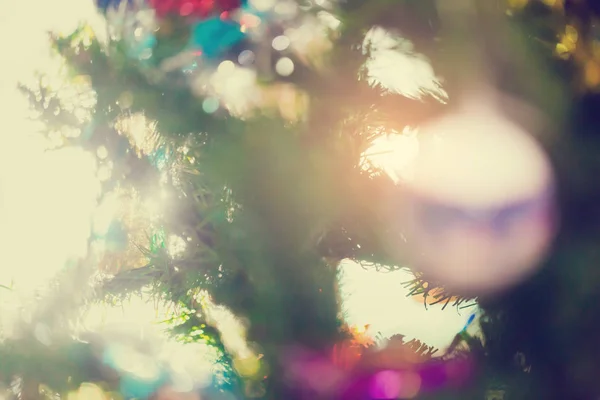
<point x="49" y="107"/>
<point x="414" y="19"/>
<point x="419" y="286"/>
<point x="175" y="108"/>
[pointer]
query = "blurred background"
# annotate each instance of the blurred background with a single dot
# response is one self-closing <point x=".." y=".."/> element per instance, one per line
<point x="49" y="198"/>
<point x="343" y="219"/>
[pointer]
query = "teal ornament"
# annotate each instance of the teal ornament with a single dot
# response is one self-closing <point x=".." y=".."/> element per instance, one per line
<point x="215" y="36"/>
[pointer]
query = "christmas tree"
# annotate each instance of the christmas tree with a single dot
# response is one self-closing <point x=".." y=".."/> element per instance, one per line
<point x="254" y="118"/>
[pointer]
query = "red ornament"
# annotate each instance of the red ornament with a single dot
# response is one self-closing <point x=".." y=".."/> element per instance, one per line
<point x="193" y="8"/>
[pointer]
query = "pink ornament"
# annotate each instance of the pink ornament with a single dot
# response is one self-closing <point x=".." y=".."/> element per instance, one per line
<point x="193" y="8"/>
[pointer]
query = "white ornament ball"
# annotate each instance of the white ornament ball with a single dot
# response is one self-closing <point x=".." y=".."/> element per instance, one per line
<point x="478" y="213"/>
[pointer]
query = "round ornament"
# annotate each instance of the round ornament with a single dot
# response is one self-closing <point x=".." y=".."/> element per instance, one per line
<point x="478" y="213"/>
<point x="215" y="36"/>
<point x="193" y="8"/>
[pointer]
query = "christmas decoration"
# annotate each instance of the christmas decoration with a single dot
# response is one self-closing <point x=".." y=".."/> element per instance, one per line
<point x="478" y="213"/>
<point x="193" y="8"/>
<point x="267" y="207"/>
<point x="179" y="8"/>
<point x="429" y="378"/>
<point x="395" y="369"/>
<point x="230" y="53"/>
<point x="215" y="35"/>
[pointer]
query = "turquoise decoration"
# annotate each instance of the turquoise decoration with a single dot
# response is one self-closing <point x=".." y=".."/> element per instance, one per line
<point x="215" y="36"/>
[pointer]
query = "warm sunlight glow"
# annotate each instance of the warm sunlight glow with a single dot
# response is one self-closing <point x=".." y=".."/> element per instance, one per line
<point x="136" y="321"/>
<point x="379" y="300"/>
<point x="394" y="154"/>
<point x="48" y="200"/>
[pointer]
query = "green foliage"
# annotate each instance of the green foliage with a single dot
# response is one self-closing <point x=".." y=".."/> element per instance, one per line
<point x="268" y="206"/>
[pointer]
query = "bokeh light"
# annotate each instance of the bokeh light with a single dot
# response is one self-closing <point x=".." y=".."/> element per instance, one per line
<point x="284" y="66"/>
<point x="50" y="206"/>
<point x="389" y="384"/>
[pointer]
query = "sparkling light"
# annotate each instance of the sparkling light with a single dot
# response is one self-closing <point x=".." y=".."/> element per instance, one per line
<point x="280" y="43"/>
<point x="225" y="69"/>
<point x="284" y="66"/>
<point x="21" y="164"/>
<point x="246" y="57"/>
<point x="102" y="152"/>
<point x="210" y="105"/>
<point x="88" y="391"/>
